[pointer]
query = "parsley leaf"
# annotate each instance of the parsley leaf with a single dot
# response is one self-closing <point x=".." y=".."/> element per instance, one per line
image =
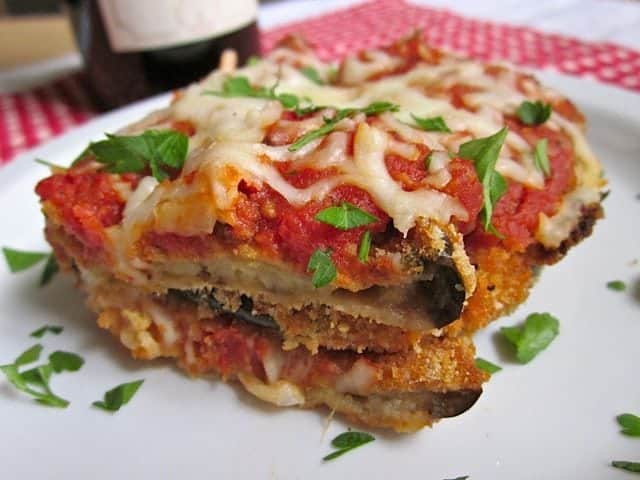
<point x="374" y="108"/>
<point x="118" y="396"/>
<point x="617" y="285"/>
<point x="19" y="260"/>
<point x="324" y="271"/>
<point x="312" y="74"/>
<point x="364" y="247"/>
<point x="347" y="441"/>
<point x="65" y="361"/>
<point x="628" y="466"/>
<point x="535" y="335"/>
<point x="484" y="153"/>
<point x="432" y="124"/>
<point x="156" y="149"/>
<point x="540" y="157"/>
<point x="345" y="216"/>
<point x="30" y="355"/>
<point x="39" y="333"/>
<point x="36" y="377"/>
<point x="240" y="87"/>
<point x="49" y="270"/>
<point x="534" y="113"/>
<point x="487" y="366"/>
<point x="630" y="424"/>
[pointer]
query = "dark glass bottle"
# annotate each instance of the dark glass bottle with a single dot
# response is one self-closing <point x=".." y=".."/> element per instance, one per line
<point x="134" y="49"/>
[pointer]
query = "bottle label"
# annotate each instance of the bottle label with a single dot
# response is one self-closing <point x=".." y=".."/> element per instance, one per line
<point x="147" y="24"/>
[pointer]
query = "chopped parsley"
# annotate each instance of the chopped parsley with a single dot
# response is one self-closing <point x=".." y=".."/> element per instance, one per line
<point x="540" y="157"/>
<point x="253" y="60"/>
<point x="364" y="247"/>
<point x="633" y="467"/>
<point x="61" y="361"/>
<point x="312" y="74"/>
<point x="431" y="124"/>
<point x="534" y="113"/>
<point x="324" y="271"/>
<point x="630" y="424"/>
<point x="19" y="260"/>
<point x="35" y="381"/>
<point x="484" y="153"/>
<point x="158" y="150"/>
<point x="346" y="442"/>
<point x="487" y="366"/>
<point x="240" y="87"/>
<point x="617" y="285"/>
<point x="534" y="336"/>
<point x="345" y="216"/>
<point x="39" y="333"/>
<point x="118" y="396"/>
<point x="374" y="108"/>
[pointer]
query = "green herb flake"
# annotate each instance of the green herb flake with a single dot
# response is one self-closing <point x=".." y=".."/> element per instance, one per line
<point x="630" y="424"/>
<point x="364" y="247"/>
<point x="30" y="355"/>
<point x="346" y="442"/>
<point x="431" y="124"/>
<point x="374" y="108"/>
<point x="19" y="260"/>
<point x="345" y="216"/>
<point x="324" y="271"/>
<point x="155" y="149"/>
<point x="617" y="285"/>
<point x="65" y="361"/>
<point x="487" y="366"/>
<point x="241" y="87"/>
<point x="49" y="271"/>
<point x="534" y="113"/>
<point x="633" y="467"/>
<point x="484" y="153"/>
<point x="312" y="74"/>
<point x="39" y="333"/>
<point x="540" y="157"/>
<point x="119" y="396"/>
<point x="534" y="336"/>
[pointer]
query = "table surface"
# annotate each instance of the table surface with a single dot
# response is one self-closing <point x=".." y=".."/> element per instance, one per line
<point x="616" y="21"/>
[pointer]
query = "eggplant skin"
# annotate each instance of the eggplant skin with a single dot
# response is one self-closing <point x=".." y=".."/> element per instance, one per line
<point x="454" y="403"/>
<point x="444" y="295"/>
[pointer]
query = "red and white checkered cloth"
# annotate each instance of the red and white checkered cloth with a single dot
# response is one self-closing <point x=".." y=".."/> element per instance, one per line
<point x="28" y="118"/>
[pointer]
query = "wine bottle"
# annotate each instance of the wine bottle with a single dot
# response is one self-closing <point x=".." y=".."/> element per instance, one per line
<point x="134" y="49"/>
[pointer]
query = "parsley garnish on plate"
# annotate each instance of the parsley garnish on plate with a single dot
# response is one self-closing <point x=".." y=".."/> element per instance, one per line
<point x="19" y="260"/>
<point x="118" y="396"/>
<point x="431" y="124"/>
<point x="346" y="442"/>
<point x="534" y="336"/>
<point x="630" y="424"/>
<point x="633" y="467"/>
<point x="484" y="154"/>
<point x="534" y="113"/>
<point x="487" y="366"/>
<point x="154" y="149"/>
<point x="540" y="157"/>
<point x="617" y="285"/>
<point x="39" y="333"/>
<point x="345" y="216"/>
<point x="364" y="247"/>
<point x="324" y="271"/>
<point x="375" y="108"/>
<point x="35" y="381"/>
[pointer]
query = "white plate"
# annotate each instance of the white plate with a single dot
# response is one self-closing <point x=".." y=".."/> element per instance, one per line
<point x="553" y="418"/>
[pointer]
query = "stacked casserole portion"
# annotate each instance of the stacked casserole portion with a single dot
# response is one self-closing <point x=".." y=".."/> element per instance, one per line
<point x="326" y="239"/>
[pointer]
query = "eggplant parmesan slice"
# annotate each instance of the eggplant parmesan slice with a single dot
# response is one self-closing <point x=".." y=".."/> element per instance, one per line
<point x="350" y="225"/>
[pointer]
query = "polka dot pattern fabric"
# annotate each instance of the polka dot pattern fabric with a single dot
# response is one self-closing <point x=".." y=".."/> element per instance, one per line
<point x="29" y="118"/>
